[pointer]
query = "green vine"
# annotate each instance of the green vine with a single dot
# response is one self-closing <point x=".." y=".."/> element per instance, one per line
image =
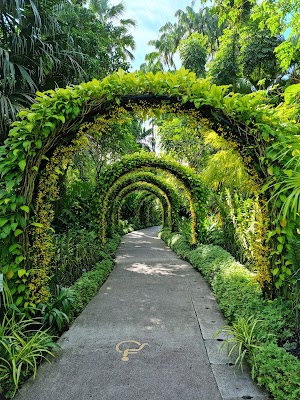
<point x="266" y="137"/>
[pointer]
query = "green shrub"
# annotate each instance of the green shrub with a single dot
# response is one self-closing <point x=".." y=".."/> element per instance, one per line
<point x="112" y="244"/>
<point x="180" y="245"/>
<point x="278" y="371"/>
<point x="76" y="250"/>
<point x="22" y="348"/>
<point x="87" y="286"/>
<point x="55" y="314"/>
<point x="209" y="259"/>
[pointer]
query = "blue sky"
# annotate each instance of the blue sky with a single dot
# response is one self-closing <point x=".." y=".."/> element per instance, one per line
<point x="150" y="15"/>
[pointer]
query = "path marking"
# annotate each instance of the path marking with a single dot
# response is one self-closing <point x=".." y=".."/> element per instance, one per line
<point x="129" y="351"/>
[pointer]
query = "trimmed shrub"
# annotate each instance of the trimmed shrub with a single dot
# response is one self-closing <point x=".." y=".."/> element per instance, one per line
<point x="277" y="370"/>
<point x="88" y="285"/>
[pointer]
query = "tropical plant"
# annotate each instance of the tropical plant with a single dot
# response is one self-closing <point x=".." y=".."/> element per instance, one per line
<point x="193" y="53"/>
<point x="242" y="336"/>
<point x="259" y="63"/>
<point x="22" y="347"/>
<point x="76" y="251"/>
<point x="32" y="46"/>
<point x="56" y="313"/>
<point x="110" y="14"/>
<point x="204" y="22"/>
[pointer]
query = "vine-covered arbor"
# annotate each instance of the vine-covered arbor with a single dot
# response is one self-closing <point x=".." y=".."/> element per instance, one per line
<point x="42" y="144"/>
<point x="123" y="185"/>
<point x="150" y="192"/>
<point x="116" y="176"/>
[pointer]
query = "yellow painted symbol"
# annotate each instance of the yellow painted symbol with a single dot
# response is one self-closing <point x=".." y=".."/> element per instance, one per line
<point x="127" y="350"/>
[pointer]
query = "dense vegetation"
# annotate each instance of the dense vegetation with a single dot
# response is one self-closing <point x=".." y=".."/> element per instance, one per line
<point x="76" y="171"/>
<point x="52" y="43"/>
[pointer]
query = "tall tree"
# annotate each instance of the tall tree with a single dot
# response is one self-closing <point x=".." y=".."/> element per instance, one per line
<point x="112" y="15"/>
<point x="193" y="53"/>
<point x="203" y="21"/>
<point x="32" y="46"/>
<point x="48" y="43"/>
<point x="167" y="43"/>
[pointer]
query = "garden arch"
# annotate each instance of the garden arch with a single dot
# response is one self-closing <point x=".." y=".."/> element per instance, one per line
<point x="142" y="199"/>
<point x="142" y="186"/>
<point x="194" y="189"/>
<point x="137" y="175"/>
<point x="144" y="210"/>
<point x="43" y="141"/>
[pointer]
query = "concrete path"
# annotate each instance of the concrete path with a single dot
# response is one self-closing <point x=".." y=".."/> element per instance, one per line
<point x="147" y="335"/>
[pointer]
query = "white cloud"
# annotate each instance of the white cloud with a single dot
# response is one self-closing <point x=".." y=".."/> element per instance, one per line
<point x="150" y="16"/>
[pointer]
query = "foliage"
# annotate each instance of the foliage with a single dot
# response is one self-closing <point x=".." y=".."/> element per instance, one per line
<point x="178" y="243"/>
<point x="155" y="192"/>
<point x="22" y="349"/>
<point x="140" y="209"/>
<point x="281" y="16"/>
<point x="32" y="46"/>
<point x="189" y="22"/>
<point x="259" y="63"/>
<point x="243" y="336"/>
<point x="193" y="53"/>
<point x="244" y="226"/>
<point x="48" y="44"/>
<point x="105" y="42"/>
<point x="182" y="138"/>
<point x="87" y="286"/>
<point x="225" y="67"/>
<point x="185" y="175"/>
<point x="76" y="250"/>
<point x="277" y="370"/>
<point x="57" y="115"/>
<point x="55" y="314"/>
<point x="124" y="184"/>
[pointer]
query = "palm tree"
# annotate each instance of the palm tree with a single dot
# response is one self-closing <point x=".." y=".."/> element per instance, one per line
<point x="205" y="21"/>
<point x="110" y="14"/>
<point x="153" y="63"/>
<point x="32" y="46"/>
<point x="189" y="21"/>
<point x="166" y="45"/>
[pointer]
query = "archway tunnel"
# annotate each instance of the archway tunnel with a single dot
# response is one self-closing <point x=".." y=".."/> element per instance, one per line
<point x="62" y="123"/>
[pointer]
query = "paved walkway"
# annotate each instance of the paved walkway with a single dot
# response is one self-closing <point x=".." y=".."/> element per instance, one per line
<point x="147" y="335"/>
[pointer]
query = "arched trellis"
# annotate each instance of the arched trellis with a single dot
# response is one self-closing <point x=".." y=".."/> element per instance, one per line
<point x="167" y="207"/>
<point x="137" y="175"/>
<point x="195" y="190"/>
<point x="57" y="119"/>
<point x="147" y="187"/>
<point x="145" y="208"/>
<point x="141" y="198"/>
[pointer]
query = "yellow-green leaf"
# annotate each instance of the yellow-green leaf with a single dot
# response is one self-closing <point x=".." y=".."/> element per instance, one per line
<point x="22" y="164"/>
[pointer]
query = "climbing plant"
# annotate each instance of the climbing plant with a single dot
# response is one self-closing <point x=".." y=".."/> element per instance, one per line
<point x="141" y="203"/>
<point x="137" y="175"/>
<point x="195" y="190"/>
<point x="149" y="188"/>
<point x="259" y="130"/>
